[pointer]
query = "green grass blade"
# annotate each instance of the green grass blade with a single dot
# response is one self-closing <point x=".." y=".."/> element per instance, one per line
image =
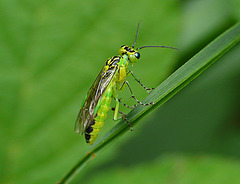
<point x="179" y="79"/>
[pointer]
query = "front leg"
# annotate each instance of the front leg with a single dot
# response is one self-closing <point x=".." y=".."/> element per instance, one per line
<point x="149" y="90"/>
<point x="133" y="96"/>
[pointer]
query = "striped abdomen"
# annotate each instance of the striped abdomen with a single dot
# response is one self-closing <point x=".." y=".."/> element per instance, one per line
<point x="95" y="126"/>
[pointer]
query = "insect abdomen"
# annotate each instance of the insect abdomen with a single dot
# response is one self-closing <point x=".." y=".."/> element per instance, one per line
<point x="93" y="130"/>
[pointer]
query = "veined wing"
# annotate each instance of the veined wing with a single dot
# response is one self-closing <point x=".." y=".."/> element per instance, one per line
<point x="85" y="115"/>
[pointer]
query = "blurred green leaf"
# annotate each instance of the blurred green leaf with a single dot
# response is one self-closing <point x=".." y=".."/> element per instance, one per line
<point x="174" y="169"/>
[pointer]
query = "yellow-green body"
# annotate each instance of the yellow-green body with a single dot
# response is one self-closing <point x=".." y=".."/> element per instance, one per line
<point x="103" y="105"/>
<point x="97" y="102"/>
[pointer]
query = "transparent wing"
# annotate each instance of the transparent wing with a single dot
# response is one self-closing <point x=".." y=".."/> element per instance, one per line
<point x="85" y="115"/>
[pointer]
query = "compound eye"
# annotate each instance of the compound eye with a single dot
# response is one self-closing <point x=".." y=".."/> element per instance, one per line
<point x="137" y="55"/>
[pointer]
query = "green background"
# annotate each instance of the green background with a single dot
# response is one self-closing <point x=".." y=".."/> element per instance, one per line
<point x="51" y="52"/>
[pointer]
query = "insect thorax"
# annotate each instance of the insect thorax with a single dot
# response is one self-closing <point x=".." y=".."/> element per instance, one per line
<point x="113" y="62"/>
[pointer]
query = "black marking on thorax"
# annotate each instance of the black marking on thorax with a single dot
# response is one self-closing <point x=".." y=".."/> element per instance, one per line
<point x="113" y="61"/>
<point x="129" y="49"/>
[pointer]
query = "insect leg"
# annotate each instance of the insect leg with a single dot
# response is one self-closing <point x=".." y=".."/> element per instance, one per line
<point x="149" y="90"/>
<point x="116" y="110"/>
<point x="123" y="116"/>
<point x="118" y="99"/>
<point x="126" y="82"/>
<point x="130" y="107"/>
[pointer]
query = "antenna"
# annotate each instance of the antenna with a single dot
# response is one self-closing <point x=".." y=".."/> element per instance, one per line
<point x="148" y="45"/>
<point x="136" y="34"/>
<point x="156" y="46"/>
